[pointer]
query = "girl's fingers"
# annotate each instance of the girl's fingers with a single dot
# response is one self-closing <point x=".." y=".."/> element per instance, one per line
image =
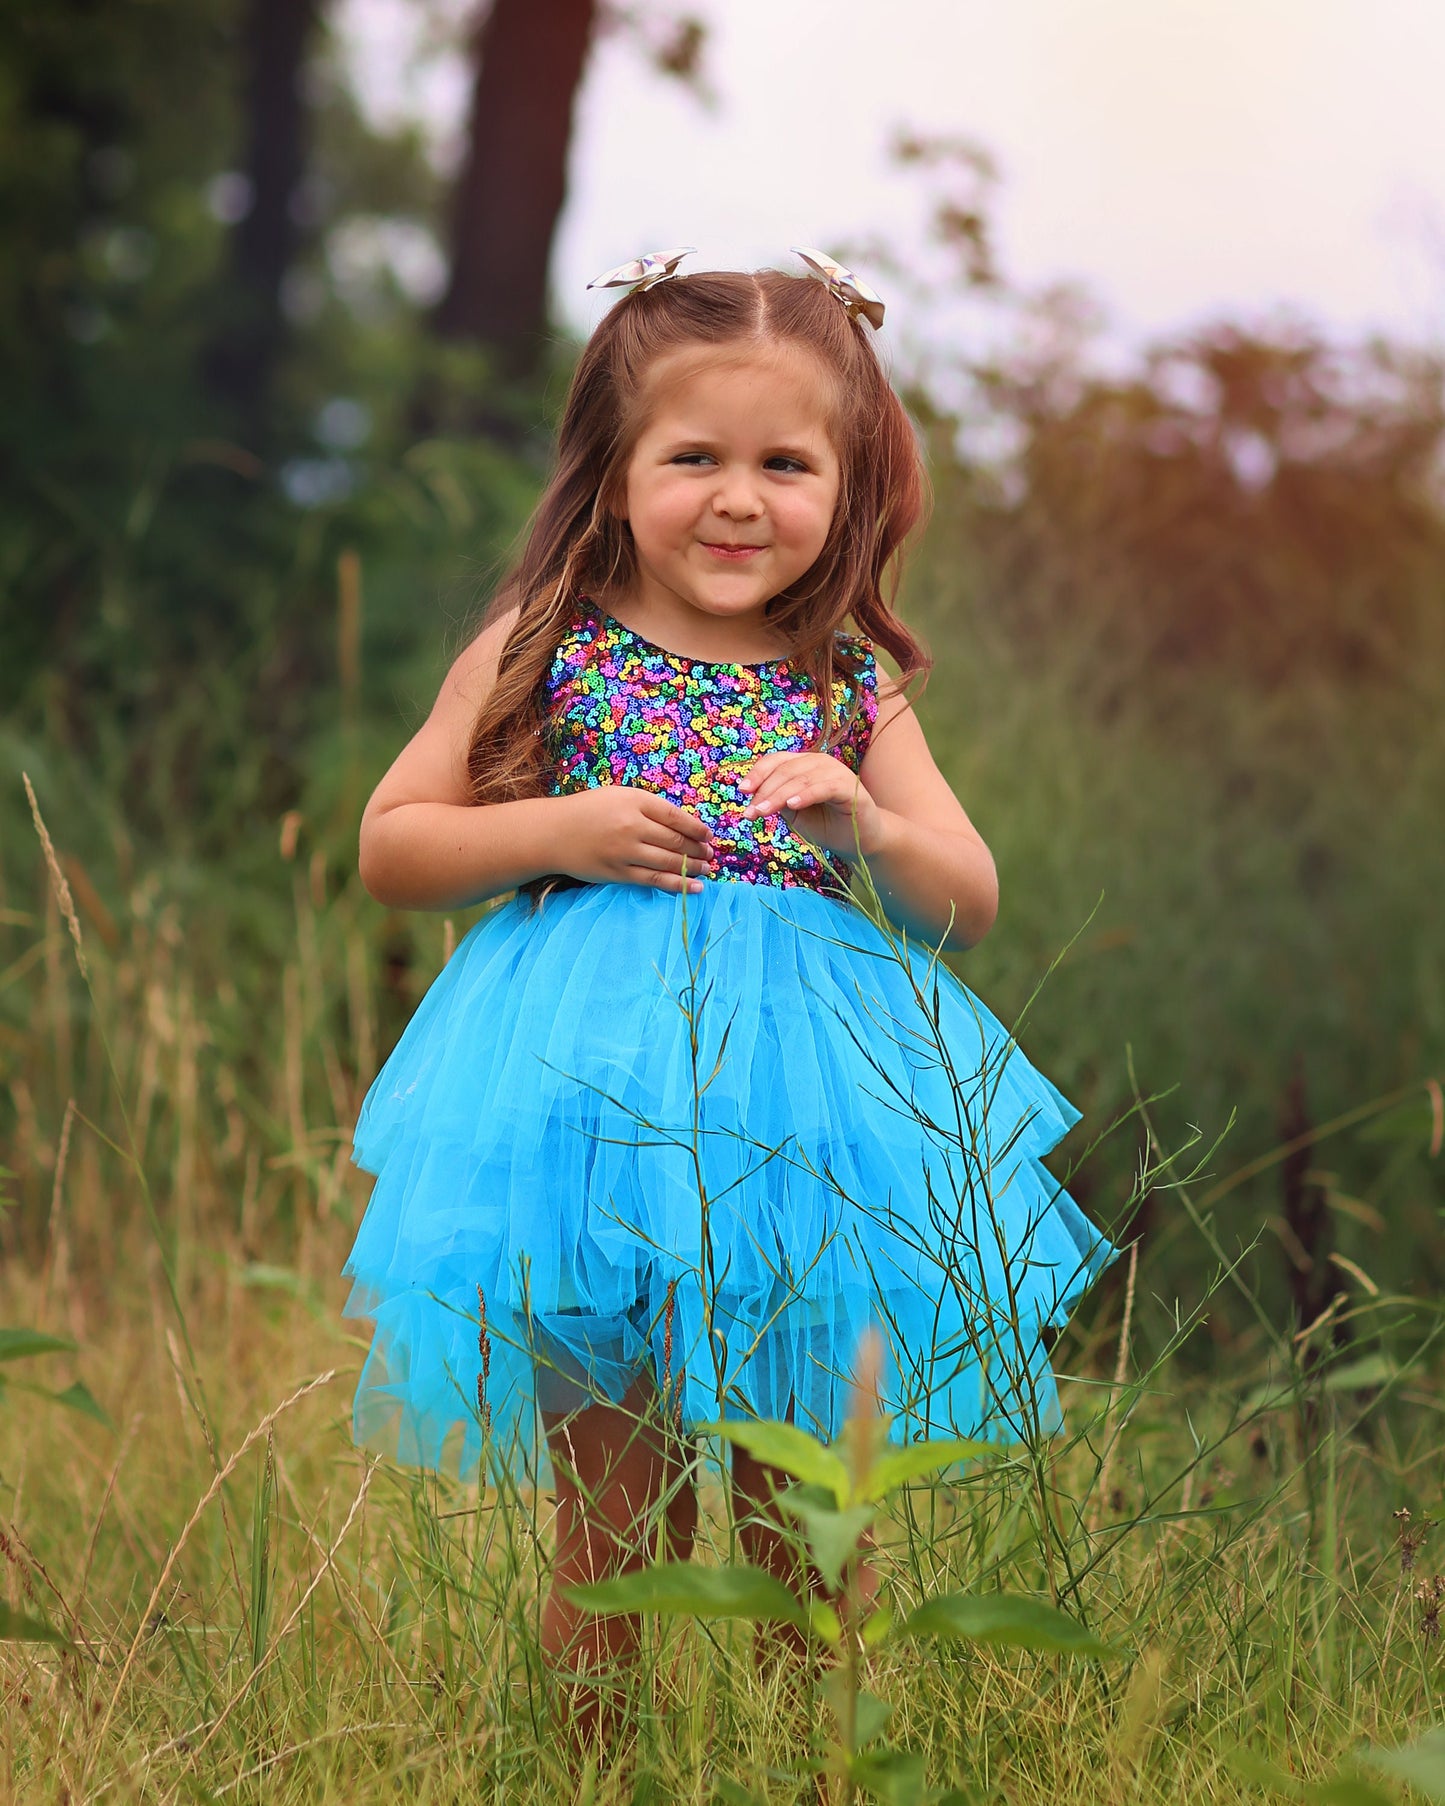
<point x="762" y="769"/>
<point x="658" y="880"/>
<point x="656" y="857"/>
<point x="794" y="796"/>
<point x="678" y="819"/>
<point x="771" y="769"/>
<point x="667" y="849"/>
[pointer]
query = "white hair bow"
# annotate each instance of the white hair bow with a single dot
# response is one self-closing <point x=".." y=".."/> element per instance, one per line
<point x="643" y="272"/>
<point x="851" y="290"/>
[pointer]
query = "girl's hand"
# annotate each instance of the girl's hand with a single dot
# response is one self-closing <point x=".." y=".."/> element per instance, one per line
<point x="621" y="834"/>
<point x="818" y="797"/>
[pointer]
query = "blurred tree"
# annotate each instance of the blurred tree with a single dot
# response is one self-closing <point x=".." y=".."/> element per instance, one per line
<point x="528" y="64"/>
<point x="269" y="206"/>
<point x="513" y="180"/>
<point x="140" y="542"/>
<point x="1269" y="505"/>
<point x="109" y="121"/>
<point x="1263" y="503"/>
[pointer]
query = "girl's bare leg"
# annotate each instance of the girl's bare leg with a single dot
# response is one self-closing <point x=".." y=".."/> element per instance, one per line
<point x="614" y="1467"/>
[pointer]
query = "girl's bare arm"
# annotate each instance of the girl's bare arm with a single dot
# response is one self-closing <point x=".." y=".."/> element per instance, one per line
<point x="423" y="844"/>
<point x="931" y="865"/>
<point x="426" y="845"/>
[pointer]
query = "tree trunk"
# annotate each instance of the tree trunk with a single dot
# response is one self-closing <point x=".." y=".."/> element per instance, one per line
<point x="529" y="60"/>
<point x="242" y="359"/>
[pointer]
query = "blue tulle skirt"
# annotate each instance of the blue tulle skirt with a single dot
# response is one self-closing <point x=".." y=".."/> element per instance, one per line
<point x="706" y="1142"/>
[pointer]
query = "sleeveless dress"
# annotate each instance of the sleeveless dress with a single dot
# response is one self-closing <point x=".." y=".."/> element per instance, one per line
<point x="709" y="1138"/>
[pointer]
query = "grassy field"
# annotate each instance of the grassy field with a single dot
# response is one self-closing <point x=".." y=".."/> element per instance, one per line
<point x="257" y="1611"/>
<point x="252" y="1609"/>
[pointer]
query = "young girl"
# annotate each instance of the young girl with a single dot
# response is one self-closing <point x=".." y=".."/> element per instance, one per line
<point x="679" y="1122"/>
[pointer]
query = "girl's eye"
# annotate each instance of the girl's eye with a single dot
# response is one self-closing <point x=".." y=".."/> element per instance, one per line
<point x="692" y="458"/>
<point x="788" y="464"/>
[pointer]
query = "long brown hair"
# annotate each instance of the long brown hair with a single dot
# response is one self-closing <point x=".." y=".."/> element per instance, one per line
<point x="576" y="546"/>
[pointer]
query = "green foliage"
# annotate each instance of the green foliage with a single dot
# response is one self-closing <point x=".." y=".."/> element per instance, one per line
<point x="22" y="1344"/>
<point x="16" y="1344"/>
<point x="842" y="1487"/>
<point x="1003" y="1622"/>
<point x="1420" y="1765"/>
<point x="678" y="1589"/>
<point x="16" y="1627"/>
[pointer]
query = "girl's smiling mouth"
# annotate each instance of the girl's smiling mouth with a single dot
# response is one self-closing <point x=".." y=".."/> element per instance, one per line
<point x="735" y="552"/>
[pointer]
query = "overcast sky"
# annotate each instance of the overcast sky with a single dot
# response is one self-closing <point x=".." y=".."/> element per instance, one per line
<point x="1182" y="159"/>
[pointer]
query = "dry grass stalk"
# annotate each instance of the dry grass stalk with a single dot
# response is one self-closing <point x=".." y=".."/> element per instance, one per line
<point x="59" y="883"/>
<point x="222" y="1475"/>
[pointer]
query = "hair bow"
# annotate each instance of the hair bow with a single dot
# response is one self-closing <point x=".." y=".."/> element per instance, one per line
<point x="643" y="272"/>
<point x="851" y="290"/>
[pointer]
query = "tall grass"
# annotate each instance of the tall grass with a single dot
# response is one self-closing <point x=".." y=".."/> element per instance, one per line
<point x="249" y="1606"/>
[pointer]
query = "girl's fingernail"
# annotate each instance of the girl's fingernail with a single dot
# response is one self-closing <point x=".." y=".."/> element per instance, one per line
<point x="795" y="802"/>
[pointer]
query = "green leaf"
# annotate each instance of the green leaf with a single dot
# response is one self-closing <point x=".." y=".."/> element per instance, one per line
<point x="259" y="1277"/>
<point x="77" y="1397"/>
<point x="872" y="1717"/>
<point x="897" y="1467"/>
<point x="15" y="1627"/>
<point x="824" y="1622"/>
<point x="1357" y="1376"/>
<point x="733" y="1793"/>
<point x="1347" y="1790"/>
<point x="1003" y="1619"/>
<point x="832" y="1536"/>
<point x="679" y="1589"/>
<point x="1414" y="1120"/>
<point x="1249" y="1766"/>
<point x="894" y="1776"/>
<point x="876" y="1627"/>
<point x="784" y="1445"/>
<point x="1421" y="1763"/>
<point x="15" y="1344"/>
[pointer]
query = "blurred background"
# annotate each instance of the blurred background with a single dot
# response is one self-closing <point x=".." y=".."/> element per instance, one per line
<point x="289" y="294"/>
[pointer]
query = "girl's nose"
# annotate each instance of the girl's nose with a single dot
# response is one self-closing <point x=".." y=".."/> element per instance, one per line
<point x="736" y="496"/>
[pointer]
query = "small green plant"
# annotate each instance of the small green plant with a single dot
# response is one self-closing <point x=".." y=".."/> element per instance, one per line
<point x="837" y="1493"/>
<point x="22" y="1344"/>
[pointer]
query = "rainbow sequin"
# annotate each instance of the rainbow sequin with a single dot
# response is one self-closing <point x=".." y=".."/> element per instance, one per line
<point x="623" y="711"/>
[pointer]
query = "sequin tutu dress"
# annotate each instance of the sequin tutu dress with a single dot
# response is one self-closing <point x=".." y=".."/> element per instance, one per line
<point x="707" y="1138"/>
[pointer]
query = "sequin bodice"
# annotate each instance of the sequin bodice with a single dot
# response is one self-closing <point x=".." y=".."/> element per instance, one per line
<point x="624" y="711"/>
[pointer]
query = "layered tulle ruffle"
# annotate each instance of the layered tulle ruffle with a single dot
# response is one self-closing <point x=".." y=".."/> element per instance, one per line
<point x="711" y="1139"/>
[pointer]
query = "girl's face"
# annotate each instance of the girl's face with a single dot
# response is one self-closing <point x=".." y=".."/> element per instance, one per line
<point x="732" y="486"/>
